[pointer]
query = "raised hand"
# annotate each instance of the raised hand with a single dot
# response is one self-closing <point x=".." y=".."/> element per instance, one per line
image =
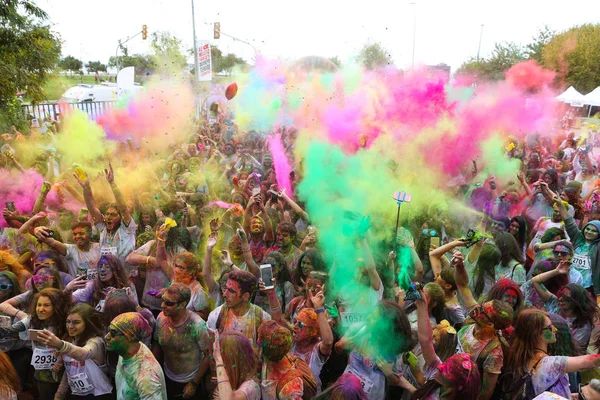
<point x="109" y="173"/>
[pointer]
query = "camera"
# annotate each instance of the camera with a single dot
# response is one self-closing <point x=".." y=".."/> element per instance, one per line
<point x="412" y="293"/>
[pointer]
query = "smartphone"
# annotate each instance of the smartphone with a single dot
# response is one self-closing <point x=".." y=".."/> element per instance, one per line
<point x="32" y="334"/>
<point x="255" y="191"/>
<point x="266" y="274"/>
<point x="10" y="206"/>
<point x="435" y="241"/>
<point x="50" y="233"/>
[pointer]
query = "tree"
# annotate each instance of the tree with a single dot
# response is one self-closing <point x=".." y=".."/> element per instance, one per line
<point x="95" y="66"/>
<point x="224" y="63"/>
<point x="575" y="56"/>
<point x="142" y="63"/>
<point x="373" y="56"/>
<point x="336" y="61"/>
<point x="167" y="53"/>
<point x="504" y="56"/>
<point x="71" y="64"/>
<point x="534" y="49"/>
<point x="28" y="49"/>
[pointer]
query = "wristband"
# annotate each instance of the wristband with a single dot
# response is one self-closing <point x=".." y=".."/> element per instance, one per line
<point x="147" y="260"/>
<point x="319" y="310"/>
<point x="159" y="239"/>
<point x="246" y="249"/>
<point x="220" y="365"/>
<point x="223" y="381"/>
<point x="232" y="264"/>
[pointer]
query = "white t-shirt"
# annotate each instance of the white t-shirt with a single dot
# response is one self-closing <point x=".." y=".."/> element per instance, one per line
<point x="120" y="244"/>
<point x="199" y="300"/>
<point x="80" y="262"/>
<point x="140" y="377"/>
<point x="314" y="359"/>
<point x="246" y="324"/>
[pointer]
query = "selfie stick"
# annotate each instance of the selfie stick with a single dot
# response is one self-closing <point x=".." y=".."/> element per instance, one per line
<point x="400" y="197"/>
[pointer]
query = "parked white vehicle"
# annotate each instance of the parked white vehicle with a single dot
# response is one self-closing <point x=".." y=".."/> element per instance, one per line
<point x="84" y="93"/>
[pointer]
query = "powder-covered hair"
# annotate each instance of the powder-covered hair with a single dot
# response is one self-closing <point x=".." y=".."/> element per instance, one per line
<point x="275" y="340"/>
<point x="183" y="292"/>
<point x="347" y="387"/>
<point x="239" y="357"/>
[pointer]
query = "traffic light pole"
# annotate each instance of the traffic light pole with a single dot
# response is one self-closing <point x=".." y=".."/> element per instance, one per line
<point x="119" y="45"/>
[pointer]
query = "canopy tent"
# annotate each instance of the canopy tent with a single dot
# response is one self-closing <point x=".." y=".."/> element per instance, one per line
<point x="592" y="98"/>
<point x="571" y="96"/>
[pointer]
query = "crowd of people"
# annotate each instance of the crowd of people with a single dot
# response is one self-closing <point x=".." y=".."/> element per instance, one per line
<point x="214" y="282"/>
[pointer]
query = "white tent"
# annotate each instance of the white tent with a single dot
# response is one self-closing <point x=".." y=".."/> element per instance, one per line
<point x="592" y="98"/>
<point x="571" y="96"/>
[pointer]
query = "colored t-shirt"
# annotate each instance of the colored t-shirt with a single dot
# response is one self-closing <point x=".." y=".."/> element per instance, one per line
<point x="314" y="359"/>
<point x="184" y="346"/>
<point x="199" y="299"/>
<point x="140" y="377"/>
<point x="290" y="391"/>
<point x="80" y="262"/>
<point x="371" y="377"/>
<point x="514" y="270"/>
<point x="582" y="263"/>
<point x="551" y="375"/>
<point x="119" y="244"/>
<point x="247" y="324"/>
<point x="473" y="347"/>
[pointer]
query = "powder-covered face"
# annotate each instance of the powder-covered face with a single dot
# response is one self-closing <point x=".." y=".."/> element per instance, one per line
<point x="590" y="232"/>
<point x="256" y="226"/>
<point x="80" y="237"/>
<point x="511" y="297"/>
<point x="549" y="332"/>
<point x="170" y="304"/>
<point x="284" y="239"/>
<point x="112" y="219"/>
<point x="115" y="340"/>
<point x="233" y="294"/>
<point x="182" y="273"/>
<point x="146" y="219"/>
<point x="5" y="288"/>
<point x="564" y="299"/>
<point x="104" y="271"/>
<point x="514" y="228"/>
<point x="44" y="278"/>
<point x="75" y="325"/>
<point x="304" y="328"/>
<point x="306" y="265"/>
<point x="44" y="308"/>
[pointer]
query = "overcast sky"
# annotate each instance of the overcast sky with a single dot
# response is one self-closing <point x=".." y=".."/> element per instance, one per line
<point x="446" y="31"/>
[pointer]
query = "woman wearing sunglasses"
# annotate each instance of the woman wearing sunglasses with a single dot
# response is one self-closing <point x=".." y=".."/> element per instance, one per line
<point x="111" y="275"/>
<point x="84" y="355"/>
<point x="44" y="276"/>
<point x="528" y="354"/>
<point x="572" y="302"/>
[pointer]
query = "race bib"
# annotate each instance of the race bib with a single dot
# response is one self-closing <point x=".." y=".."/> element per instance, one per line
<point x="581" y="262"/>
<point x="100" y="305"/>
<point x="365" y="382"/>
<point x="108" y="250"/>
<point x="80" y="383"/>
<point x="352" y="318"/>
<point x="43" y="358"/>
<point x="91" y="274"/>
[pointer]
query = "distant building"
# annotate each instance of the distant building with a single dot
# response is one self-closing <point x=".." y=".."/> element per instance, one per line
<point x="440" y="69"/>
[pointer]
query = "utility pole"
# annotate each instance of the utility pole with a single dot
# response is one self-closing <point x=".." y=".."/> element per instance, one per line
<point x="196" y="71"/>
<point x="480" y="36"/>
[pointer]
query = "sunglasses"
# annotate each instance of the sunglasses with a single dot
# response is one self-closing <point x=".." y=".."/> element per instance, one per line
<point x="170" y="303"/>
<point x="549" y="328"/>
<point x="115" y="333"/>
<point x="430" y="232"/>
<point x="478" y="311"/>
<point x="562" y="253"/>
<point x="5" y="286"/>
<point x="301" y="324"/>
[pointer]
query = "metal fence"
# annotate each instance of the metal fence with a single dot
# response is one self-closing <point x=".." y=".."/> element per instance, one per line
<point x="92" y="108"/>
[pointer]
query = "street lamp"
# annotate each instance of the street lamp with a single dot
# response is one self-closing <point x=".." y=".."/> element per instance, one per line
<point x="414" y="32"/>
<point x="480" y="36"/>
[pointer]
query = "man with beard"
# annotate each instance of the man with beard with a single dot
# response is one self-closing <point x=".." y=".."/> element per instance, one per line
<point x="261" y="230"/>
<point x="82" y="257"/>
<point x="284" y="243"/>
<point x="116" y="227"/>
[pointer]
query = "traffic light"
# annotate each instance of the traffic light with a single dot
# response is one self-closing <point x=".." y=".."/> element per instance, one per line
<point x="144" y="32"/>
<point x="217" y="30"/>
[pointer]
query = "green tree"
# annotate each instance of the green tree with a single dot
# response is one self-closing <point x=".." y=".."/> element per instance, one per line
<point x="71" y="64"/>
<point x="374" y="55"/>
<point x="167" y="52"/>
<point x="95" y="66"/>
<point x="575" y="56"/>
<point x="28" y="50"/>
<point x="534" y="49"/>
<point x="336" y="61"/>
<point x="224" y="63"/>
<point x="504" y="56"/>
<point x="141" y="62"/>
